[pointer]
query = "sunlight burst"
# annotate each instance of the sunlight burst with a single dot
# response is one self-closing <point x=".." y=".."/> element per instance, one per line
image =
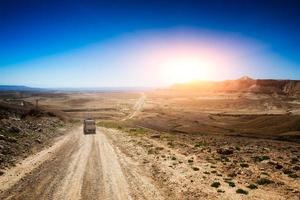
<point x="185" y="69"/>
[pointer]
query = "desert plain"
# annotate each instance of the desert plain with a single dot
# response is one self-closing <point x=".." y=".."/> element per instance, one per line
<point x="153" y="144"/>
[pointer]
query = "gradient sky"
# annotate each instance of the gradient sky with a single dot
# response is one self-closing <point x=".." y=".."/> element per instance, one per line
<point x="60" y="43"/>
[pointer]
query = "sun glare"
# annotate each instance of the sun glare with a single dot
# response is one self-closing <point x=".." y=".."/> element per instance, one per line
<point x="185" y="69"/>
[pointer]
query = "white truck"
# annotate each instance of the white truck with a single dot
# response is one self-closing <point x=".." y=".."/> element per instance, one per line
<point x="89" y="126"/>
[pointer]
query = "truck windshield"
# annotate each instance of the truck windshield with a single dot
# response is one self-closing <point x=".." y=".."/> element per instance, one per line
<point x="89" y="122"/>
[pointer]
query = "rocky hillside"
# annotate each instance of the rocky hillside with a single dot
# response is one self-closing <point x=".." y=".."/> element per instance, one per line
<point x="24" y="130"/>
<point x="244" y="84"/>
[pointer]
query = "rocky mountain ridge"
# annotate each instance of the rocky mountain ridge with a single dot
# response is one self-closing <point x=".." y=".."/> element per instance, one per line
<point x="244" y="84"/>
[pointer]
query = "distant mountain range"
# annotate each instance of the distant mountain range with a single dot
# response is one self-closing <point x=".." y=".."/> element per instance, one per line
<point x="17" y="88"/>
<point x="244" y="84"/>
<point x="20" y="88"/>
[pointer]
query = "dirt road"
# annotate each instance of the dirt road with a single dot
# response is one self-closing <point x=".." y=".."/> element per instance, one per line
<point x="78" y="166"/>
<point x="137" y="107"/>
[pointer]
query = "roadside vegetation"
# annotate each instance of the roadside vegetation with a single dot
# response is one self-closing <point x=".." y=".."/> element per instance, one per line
<point x="123" y="126"/>
<point x="25" y="130"/>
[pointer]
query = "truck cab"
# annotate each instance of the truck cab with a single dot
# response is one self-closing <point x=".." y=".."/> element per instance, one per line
<point x="89" y="126"/>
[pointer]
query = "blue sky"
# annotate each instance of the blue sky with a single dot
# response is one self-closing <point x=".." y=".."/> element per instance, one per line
<point x="121" y="43"/>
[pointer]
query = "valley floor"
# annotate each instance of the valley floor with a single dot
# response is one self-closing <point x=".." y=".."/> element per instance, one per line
<point x="115" y="164"/>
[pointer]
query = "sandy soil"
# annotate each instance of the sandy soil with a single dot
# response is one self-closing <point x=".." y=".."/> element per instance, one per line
<point x="78" y="166"/>
<point x="113" y="164"/>
<point x="251" y="115"/>
<point x="103" y="105"/>
<point x="183" y="171"/>
<point x="168" y="147"/>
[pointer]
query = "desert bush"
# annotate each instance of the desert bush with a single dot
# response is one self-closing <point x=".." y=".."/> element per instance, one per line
<point x="287" y="171"/>
<point x="151" y="151"/>
<point x="244" y="165"/>
<point x="171" y="144"/>
<point x="293" y="175"/>
<point x="215" y="184"/>
<point x="201" y="144"/>
<point x="225" y="151"/>
<point x="296" y="168"/>
<point x="261" y="158"/>
<point x="294" y="160"/>
<point x="232" y="174"/>
<point x="224" y="158"/>
<point x="278" y="166"/>
<point x="231" y="184"/>
<point x="195" y="168"/>
<point x="241" y="191"/>
<point x="252" y="186"/>
<point x="264" y="181"/>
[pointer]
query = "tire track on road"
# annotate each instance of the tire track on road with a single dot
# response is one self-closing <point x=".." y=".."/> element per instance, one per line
<point x="84" y="167"/>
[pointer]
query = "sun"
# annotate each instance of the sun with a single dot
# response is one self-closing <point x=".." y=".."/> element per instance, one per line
<point x="185" y="69"/>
